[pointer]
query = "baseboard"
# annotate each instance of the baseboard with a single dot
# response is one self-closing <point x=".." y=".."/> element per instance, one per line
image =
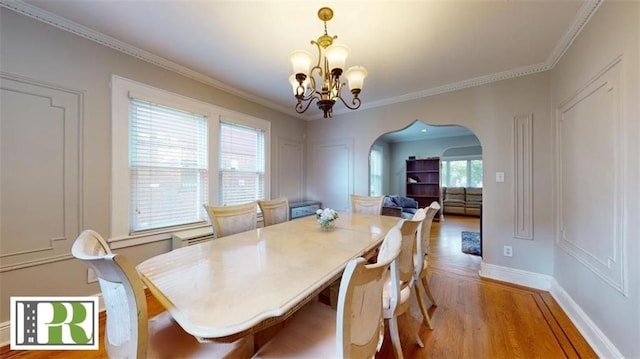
<point x="589" y="330"/>
<point x="516" y="276"/>
<point x="5" y="332"/>
<point x="5" y="327"/>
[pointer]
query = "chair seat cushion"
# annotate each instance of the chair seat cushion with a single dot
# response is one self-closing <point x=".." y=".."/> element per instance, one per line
<point x="420" y="257"/>
<point x="405" y="202"/>
<point x="406" y="215"/>
<point x="410" y="210"/>
<point x="456" y="193"/>
<point x="386" y="296"/>
<point x="167" y="339"/>
<point x="389" y="202"/>
<point x="310" y="333"/>
<point x="453" y="202"/>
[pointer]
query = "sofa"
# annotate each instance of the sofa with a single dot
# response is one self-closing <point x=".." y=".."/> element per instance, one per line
<point x="399" y="206"/>
<point x="462" y="200"/>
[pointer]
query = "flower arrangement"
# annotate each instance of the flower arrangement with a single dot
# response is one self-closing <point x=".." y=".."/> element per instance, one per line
<point x="326" y="217"/>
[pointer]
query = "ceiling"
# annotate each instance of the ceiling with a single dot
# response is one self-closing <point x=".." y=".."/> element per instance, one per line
<point x="421" y="131"/>
<point x="411" y="49"/>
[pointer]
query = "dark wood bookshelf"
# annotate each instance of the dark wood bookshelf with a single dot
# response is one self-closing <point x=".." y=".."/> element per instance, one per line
<point x="426" y="188"/>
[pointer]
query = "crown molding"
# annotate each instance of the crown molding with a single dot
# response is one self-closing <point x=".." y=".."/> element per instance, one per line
<point x="49" y="18"/>
<point x="582" y="17"/>
<point x="476" y="81"/>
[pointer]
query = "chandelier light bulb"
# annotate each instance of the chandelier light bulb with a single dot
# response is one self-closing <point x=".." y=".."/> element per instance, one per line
<point x="336" y="55"/>
<point x="301" y="61"/>
<point x="355" y="75"/>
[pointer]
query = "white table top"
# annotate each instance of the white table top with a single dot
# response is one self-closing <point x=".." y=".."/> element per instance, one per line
<point x="236" y="285"/>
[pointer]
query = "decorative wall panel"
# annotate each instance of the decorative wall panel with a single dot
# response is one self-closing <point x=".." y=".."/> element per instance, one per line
<point x="40" y="174"/>
<point x="333" y="160"/>
<point x="523" y="176"/>
<point x="590" y="184"/>
<point x="289" y="169"/>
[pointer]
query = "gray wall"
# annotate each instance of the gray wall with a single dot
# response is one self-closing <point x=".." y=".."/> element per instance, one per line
<point x="63" y="66"/>
<point x="595" y="99"/>
<point x="585" y="138"/>
<point x="608" y="294"/>
<point x="488" y="111"/>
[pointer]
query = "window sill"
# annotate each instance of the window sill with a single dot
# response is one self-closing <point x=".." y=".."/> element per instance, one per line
<point x="148" y="237"/>
<point x="157" y="236"/>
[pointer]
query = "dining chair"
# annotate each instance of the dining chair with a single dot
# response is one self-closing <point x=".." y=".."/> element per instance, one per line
<point x="274" y="211"/>
<point x="366" y="204"/>
<point x="228" y="220"/>
<point x="128" y="333"/>
<point x="421" y="261"/>
<point x="399" y="284"/>
<point x="353" y="331"/>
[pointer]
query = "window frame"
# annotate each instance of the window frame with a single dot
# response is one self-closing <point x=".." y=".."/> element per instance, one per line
<point x="121" y="89"/>
<point x="446" y="162"/>
<point x="380" y="150"/>
<point x="256" y="124"/>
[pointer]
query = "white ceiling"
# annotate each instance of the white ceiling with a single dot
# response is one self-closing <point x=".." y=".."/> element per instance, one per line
<point x="412" y="49"/>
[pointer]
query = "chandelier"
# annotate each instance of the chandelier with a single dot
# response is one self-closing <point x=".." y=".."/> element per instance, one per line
<point x="323" y="83"/>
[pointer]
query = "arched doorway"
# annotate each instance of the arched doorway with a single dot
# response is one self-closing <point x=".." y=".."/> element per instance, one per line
<point x="460" y="154"/>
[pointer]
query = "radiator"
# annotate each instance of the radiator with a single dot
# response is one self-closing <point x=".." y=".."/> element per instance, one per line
<point x="190" y="237"/>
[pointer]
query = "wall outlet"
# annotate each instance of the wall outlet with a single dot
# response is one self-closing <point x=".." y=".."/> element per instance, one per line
<point x="499" y="177"/>
<point x="508" y="251"/>
<point x="91" y="276"/>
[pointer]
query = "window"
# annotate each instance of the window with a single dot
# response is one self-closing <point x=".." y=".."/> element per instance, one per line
<point x="171" y="154"/>
<point x="242" y="164"/>
<point x="168" y="166"/>
<point x="376" y="171"/>
<point x="462" y="173"/>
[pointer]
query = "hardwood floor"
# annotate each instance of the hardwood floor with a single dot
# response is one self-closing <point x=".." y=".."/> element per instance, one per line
<point x="474" y="318"/>
<point x="480" y="318"/>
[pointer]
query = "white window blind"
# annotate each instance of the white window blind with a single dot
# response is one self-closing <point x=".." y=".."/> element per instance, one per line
<point x="168" y="166"/>
<point x="242" y="164"/>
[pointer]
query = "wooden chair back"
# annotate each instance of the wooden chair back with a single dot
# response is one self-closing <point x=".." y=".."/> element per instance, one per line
<point x="126" y="333"/>
<point x="274" y="211"/>
<point x="424" y="232"/>
<point x="409" y="229"/>
<point x="228" y="220"/>
<point x="360" y="316"/>
<point x="420" y="261"/>
<point x="366" y="204"/>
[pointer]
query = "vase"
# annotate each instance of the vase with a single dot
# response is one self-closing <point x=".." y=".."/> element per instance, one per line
<point x="327" y="226"/>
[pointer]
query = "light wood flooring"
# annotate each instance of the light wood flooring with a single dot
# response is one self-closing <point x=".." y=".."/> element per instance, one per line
<point x="474" y="318"/>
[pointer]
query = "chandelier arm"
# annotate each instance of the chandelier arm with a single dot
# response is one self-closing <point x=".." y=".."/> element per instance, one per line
<point x="312" y="79"/>
<point x="313" y="42"/>
<point x="329" y="89"/>
<point x="300" y="107"/>
<point x="356" y="102"/>
<point x="312" y="85"/>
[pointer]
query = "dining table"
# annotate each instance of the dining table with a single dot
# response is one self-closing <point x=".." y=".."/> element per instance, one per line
<point x="238" y="285"/>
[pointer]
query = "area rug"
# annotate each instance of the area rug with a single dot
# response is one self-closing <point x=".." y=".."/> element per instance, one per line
<point x="471" y="243"/>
